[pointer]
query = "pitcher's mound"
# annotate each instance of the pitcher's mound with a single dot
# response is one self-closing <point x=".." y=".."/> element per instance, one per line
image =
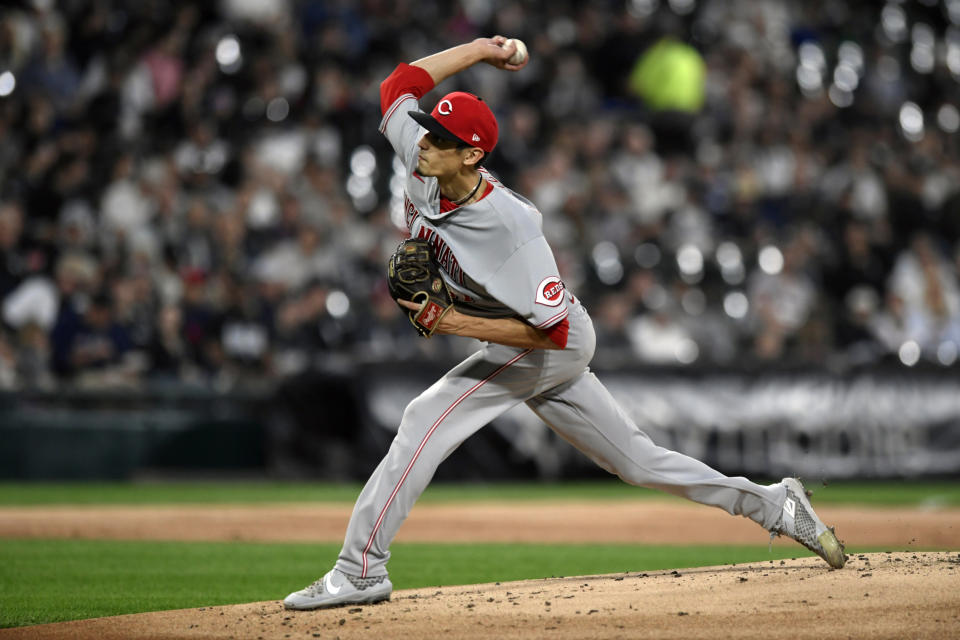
<point x="879" y="595"/>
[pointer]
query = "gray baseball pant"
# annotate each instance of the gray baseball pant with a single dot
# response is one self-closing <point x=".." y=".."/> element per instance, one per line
<point x="558" y="387"/>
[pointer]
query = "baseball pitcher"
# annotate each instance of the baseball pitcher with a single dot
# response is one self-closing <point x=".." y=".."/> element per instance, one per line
<point x="502" y="287"/>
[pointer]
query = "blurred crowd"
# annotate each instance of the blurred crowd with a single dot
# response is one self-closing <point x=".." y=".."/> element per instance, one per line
<point x="198" y="192"/>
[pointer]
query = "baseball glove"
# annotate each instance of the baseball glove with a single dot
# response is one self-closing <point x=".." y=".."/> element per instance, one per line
<point x="412" y="274"/>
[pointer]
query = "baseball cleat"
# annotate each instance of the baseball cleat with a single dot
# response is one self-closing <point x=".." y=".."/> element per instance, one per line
<point x="799" y="521"/>
<point x="338" y="588"/>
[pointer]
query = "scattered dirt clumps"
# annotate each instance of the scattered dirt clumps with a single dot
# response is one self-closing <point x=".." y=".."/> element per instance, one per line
<point x="879" y="595"/>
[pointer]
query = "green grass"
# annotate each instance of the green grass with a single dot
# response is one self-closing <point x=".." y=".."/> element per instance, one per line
<point x="884" y="493"/>
<point x="56" y="580"/>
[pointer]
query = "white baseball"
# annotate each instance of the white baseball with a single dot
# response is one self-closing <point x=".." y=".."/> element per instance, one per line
<point x="520" y="54"/>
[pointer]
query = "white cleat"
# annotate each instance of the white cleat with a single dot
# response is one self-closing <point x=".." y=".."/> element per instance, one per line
<point x="799" y="521"/>
<point x="337" y="588"/>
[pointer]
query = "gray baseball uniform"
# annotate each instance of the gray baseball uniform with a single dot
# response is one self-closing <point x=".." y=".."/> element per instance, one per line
<point x="497" y="263"/>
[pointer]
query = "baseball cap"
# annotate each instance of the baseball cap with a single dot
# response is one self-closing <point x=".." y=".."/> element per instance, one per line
<point x="461" y="117"/>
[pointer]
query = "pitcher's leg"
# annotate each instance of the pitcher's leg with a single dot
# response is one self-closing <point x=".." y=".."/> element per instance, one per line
<point x="585" y="414"/>
<point x="434" y="424"/>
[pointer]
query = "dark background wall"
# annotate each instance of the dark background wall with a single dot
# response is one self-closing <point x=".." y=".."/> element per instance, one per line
<point x="337" y="425"/>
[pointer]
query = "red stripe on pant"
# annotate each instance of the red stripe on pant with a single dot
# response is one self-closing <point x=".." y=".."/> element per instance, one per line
<point x="376" y="527"/>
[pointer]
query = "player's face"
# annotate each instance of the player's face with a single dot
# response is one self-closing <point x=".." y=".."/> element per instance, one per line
<point x="439" y="157"/>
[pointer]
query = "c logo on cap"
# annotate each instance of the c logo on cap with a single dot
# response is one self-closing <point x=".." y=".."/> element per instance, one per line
<point x="445" y="104"/>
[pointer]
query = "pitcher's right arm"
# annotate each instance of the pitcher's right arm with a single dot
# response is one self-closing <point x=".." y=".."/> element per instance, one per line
<point x="402" y="90"/>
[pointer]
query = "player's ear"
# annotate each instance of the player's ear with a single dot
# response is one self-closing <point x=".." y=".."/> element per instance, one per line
<point x="473" y="156"/>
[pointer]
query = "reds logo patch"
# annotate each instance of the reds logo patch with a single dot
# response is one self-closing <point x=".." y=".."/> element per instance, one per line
<point x="550" y="291"/>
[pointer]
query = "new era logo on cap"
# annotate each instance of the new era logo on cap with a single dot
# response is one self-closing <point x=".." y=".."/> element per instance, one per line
<point x="464" y="117"/>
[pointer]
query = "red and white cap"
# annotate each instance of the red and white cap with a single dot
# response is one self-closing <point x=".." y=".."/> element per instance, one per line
<point x="461" y="117"/>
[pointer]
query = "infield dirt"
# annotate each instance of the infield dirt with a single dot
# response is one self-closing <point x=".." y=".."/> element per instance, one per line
<point x="897" y="595"/>
<point x="646" y="522"/>
<point x="880" y="595"/>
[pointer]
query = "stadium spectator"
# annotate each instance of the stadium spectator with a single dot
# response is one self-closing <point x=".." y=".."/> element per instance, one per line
<point x="925" y="280"/>
<point x="216" y="171"/>
<point x="93" y="349"/>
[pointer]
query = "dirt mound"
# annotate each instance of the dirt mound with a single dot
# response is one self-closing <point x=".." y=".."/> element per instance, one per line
<point x="898" y="595"/>
<point x="881" y="595"/>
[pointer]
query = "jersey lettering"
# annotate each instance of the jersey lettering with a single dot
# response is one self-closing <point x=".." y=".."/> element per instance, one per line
<point x="550" y="291"/>
<point x="444" y="253"/>
<point x="410" y="211"/>
<point x="445" y="258"/>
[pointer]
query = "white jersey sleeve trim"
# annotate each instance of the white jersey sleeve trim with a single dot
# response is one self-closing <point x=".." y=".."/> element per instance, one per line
<point x="393" y="108"/>
<point x="546" y="324"/>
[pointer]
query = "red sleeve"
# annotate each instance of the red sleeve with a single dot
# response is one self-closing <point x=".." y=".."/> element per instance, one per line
<point x="404" y="79"/>
<point x="558" y="333"/>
